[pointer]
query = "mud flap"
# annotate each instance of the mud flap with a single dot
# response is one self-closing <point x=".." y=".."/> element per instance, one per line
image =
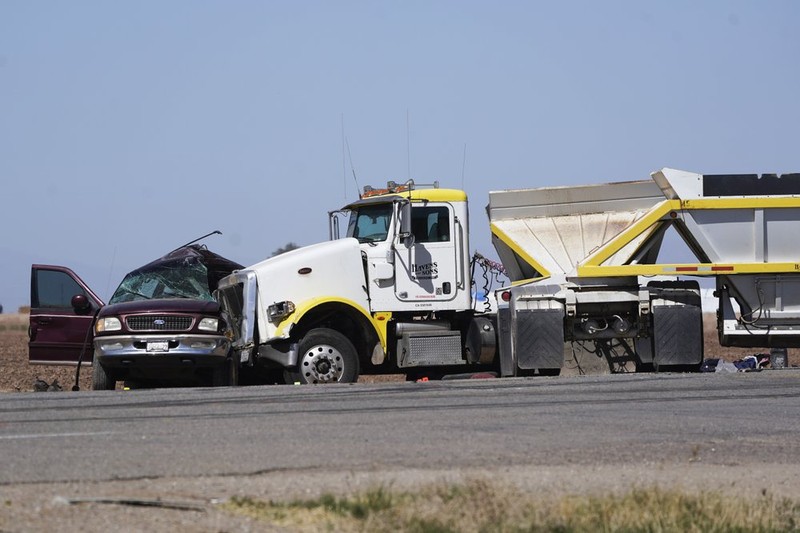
<point x="539" y="339"/>
<point x="677" y="336"/>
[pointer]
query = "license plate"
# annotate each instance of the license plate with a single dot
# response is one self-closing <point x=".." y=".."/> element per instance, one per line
<point x="158" y="346"/>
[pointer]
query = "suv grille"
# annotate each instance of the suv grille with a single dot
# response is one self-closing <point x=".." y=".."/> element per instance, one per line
<point x="158" y="323"/>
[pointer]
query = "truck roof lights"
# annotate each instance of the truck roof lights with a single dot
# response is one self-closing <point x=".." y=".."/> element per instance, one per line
<point x="393" y="187"/>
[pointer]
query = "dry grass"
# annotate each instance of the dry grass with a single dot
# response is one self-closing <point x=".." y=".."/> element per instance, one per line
<point x="482" y="506"/>
<point x="14" y="322"/>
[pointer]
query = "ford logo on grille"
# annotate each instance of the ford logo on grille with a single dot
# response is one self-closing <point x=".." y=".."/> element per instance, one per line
<point x="159" y="322"/>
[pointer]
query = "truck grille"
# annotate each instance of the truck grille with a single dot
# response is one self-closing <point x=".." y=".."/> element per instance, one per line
<point x="158" y="323"/>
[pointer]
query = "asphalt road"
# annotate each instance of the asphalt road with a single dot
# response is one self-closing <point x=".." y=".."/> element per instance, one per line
<point x="597" y="420"/>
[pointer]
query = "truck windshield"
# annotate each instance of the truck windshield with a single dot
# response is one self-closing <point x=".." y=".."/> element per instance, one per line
<point x="370" y="223"/>
<point x="181" y="279"/>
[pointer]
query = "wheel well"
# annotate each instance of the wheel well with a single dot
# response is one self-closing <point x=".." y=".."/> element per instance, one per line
<point x="344" y="319"/>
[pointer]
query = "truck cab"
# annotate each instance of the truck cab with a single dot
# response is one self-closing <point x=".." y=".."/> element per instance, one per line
<point x="396" y="269"/>
<point x="415" y="248"/>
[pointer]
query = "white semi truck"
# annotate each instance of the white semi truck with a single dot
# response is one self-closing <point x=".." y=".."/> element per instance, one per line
<point x="394" y="293"/>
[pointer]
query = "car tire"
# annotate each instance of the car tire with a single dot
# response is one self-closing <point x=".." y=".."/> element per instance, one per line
<point x="102" y="379"/>
<point x="226" y="374"/>
<point x="324" y="356"/>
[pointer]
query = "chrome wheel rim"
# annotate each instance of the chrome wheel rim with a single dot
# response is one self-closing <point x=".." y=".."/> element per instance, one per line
<point x="322" y="364"/>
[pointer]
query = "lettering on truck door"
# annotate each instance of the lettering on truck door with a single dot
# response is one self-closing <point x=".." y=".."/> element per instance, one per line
<point x="426" y="270"/>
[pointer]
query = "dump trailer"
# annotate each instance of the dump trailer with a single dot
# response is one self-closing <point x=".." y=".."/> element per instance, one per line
<point x="584" y="262"/>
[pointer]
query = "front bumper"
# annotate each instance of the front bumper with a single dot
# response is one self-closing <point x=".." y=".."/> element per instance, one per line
<point x="149" y="350"/>
<point x="237" y="295"/>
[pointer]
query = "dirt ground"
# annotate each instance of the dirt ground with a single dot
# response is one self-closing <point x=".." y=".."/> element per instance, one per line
<point x="16" y="375"/>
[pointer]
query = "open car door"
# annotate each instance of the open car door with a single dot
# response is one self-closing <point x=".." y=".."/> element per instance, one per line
<point x="63" y="308"/>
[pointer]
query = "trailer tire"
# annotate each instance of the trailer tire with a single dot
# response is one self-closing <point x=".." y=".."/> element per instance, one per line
<point x="324" y="356"/>
<point x="102" y="379"/>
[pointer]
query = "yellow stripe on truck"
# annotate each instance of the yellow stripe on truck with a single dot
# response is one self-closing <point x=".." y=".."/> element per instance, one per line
<point x="379" y="321"/>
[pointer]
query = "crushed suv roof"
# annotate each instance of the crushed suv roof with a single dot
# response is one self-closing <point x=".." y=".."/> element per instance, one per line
<point x="187" y="272"/>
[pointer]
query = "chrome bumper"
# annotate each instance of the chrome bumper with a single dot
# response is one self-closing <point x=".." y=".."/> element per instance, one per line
<point x="124" y="350"/>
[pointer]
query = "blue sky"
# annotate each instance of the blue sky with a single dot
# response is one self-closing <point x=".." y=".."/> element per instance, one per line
<point x="130" y="128"/>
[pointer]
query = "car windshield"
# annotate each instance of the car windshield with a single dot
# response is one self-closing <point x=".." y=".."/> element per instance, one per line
<point x="370" y="223"/>
<point x="178" y="279"/>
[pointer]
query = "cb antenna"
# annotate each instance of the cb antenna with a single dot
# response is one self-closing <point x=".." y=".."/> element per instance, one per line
<point x="358" y="189"/>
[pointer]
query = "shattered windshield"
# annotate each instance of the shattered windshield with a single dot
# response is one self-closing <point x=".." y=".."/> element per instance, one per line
<point x="370" y="223"/>
<point x="185" y="278"/>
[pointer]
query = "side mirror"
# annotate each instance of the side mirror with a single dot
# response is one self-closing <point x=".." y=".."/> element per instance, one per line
<point x="80" y="303"/>
<point x="405" y="234"/>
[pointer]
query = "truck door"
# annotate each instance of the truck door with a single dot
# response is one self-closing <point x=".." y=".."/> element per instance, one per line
<point x="60" y="324"/>
<point x="426" y="271"/>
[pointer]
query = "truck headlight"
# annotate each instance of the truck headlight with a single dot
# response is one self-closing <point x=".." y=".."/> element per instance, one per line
<point x="209" y="324"/>
<point x="109" y="323"/>
<point x="279" y="310"/>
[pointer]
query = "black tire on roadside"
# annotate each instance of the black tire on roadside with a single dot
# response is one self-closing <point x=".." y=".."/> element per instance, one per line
<point x="102" y="378"/>
<point x="324" y="356"/>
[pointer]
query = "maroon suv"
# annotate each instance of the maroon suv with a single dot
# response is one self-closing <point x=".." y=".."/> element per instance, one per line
<point x="162" y="323"/>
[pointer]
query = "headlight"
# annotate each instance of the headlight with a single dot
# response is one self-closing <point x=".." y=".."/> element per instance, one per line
<point x="279" y="310"/>
<point x="109" y="323"/>
<point x="209" y="324"/>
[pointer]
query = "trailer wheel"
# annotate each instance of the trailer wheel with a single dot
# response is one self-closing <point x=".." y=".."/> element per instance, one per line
<point x="324" y="356"/>
<point x="102" y="379"/>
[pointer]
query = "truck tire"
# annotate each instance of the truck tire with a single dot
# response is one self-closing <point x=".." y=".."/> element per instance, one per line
<point x="102" y="379"/>
<point x="324" y="356"/>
